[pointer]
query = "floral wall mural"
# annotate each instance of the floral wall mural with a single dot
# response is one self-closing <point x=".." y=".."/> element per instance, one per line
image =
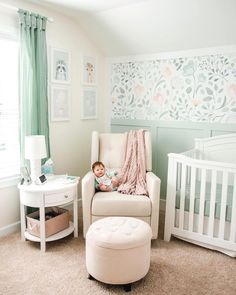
<point x="199" y="89"/>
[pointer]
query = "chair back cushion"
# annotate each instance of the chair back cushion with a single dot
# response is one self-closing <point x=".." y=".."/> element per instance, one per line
<point x="109" y="149"/>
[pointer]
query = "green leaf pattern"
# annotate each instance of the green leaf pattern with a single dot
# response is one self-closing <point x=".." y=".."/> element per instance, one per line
<point x="199" y="89"/>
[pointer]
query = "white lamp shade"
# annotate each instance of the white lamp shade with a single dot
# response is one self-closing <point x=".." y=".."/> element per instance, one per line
<point x="35" y="147"/>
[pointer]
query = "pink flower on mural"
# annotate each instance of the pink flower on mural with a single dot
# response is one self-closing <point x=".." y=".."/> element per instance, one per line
<point x="167" y="70"/>
<point x="138" y="90"/>
<point x="232" y="90"/>
<point x="196" y="101"/>
<point x="158" y="98"/>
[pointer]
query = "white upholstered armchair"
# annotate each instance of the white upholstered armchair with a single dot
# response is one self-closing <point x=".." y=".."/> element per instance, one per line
<point x="108" y="148"/>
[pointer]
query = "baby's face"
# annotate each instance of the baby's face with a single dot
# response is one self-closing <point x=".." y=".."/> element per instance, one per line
<point x="99" y="171"/>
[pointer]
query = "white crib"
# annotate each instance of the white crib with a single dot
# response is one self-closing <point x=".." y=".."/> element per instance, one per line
<point x="201" y="194"/>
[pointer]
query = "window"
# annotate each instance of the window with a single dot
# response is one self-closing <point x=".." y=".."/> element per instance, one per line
<point x="9" y="127"/>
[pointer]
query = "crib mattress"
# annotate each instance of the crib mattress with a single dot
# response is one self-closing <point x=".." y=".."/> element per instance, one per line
<point x="207" y="200"/>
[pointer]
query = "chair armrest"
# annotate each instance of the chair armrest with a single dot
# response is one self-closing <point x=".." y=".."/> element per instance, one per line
<point x="154" y="187"/>
<point x="88" y="191"/>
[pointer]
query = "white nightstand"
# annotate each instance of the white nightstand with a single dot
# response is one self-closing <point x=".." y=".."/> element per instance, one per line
<point x="56" y="191"/>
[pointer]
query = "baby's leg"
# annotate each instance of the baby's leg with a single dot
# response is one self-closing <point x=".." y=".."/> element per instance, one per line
<point x="104" y="188"/>
<point x="115" y="182"/>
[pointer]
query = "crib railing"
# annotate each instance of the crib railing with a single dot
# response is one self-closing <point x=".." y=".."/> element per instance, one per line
<point x="189" y="178"/>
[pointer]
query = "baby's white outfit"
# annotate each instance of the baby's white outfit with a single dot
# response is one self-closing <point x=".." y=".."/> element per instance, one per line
<point x="106" y="179"/>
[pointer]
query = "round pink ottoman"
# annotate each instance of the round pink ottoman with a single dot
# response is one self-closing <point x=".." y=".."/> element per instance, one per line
<point x="118" y="250"/>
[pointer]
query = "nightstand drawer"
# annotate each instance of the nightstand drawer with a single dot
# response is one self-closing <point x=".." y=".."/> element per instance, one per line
<point x="60" y="197"/>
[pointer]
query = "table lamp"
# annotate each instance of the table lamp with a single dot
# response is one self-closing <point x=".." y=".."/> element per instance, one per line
<point x="35" y="150"/>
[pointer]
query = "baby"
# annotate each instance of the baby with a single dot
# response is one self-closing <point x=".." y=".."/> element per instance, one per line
<point x="105" y="180"/>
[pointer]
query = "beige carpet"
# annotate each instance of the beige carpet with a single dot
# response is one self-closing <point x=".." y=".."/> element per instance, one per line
<point x="176" y="268"/>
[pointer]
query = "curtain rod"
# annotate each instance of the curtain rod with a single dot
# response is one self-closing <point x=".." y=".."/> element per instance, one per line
<point x="7" y="6"/>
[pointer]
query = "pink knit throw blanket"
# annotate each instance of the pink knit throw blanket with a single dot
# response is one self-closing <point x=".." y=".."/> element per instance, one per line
<point x="133" y="171"/>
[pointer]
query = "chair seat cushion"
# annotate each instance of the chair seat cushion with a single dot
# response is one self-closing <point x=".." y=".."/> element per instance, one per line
<point x="116" y="204"/>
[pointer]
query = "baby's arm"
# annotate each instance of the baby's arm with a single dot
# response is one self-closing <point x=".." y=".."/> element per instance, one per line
<point x="112" y="174"/>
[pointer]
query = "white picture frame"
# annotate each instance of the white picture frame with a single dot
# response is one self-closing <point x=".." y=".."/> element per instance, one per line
<point x="89" y="103"/>
<point x="89" y="70"/>
<point x="60" y="107"/>
<point x="60" y="65"/>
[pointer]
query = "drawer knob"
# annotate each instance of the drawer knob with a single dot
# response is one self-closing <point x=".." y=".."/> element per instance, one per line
<point x="66" y="196"/>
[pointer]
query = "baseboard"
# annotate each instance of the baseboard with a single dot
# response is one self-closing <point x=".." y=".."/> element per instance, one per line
<point x="162" y="205"/>
<point x="9" y="229"/>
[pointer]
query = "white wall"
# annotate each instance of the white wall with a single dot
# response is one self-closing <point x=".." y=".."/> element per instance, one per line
<point x="70" y="140"/>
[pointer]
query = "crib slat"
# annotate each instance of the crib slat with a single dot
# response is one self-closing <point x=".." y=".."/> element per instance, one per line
<point x="192" y="196"/>
<point x="232" y="236"/>
<point x="212" y="204"/>
<point x="202" y="201"/>
<point x="178" y="177"/>
<point x="182" y="196"/>
<point x="223" y="205"/>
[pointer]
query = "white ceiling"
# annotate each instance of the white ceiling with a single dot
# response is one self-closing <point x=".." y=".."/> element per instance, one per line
<point x="92" y="5"/>
<point x="127" y="27"/>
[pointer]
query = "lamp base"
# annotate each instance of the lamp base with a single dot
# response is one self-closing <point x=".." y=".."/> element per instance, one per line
<point x="35" y="169"/>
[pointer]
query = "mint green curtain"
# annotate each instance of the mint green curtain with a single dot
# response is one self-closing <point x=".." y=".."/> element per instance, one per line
<point x="33" y="71"/>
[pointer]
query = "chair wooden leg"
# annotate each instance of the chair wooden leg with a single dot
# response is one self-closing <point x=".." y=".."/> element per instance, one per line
<point x="127" y="287"/>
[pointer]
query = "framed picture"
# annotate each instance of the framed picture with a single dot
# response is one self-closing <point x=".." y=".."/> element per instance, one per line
<point x="60" y="65"/>
<point x="60" y="103"/>
<point x="89" y="70"/>
<point x="89" y="103"/>
<point x="25" y="176"/>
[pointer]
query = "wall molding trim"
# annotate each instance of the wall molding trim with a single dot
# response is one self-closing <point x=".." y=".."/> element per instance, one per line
<point x="9" y="229"/>
<point x="170" y="137"/>
<point x="208" y="127"/>
<point x="226" y="49"/>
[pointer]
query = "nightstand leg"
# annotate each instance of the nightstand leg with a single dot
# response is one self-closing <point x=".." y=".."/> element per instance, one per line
<point x="42" y="229"/>
<point x="23" y="225"/>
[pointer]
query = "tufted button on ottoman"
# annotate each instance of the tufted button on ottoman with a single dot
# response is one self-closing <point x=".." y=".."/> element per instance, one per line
<point x="118" y="250"/>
